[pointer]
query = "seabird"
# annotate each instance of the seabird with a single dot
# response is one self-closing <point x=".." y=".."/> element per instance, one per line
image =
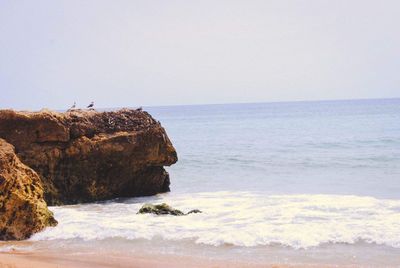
<point x="73" y="106"/>
<point x="90" y="105"/>
<point x="139" y="109"/>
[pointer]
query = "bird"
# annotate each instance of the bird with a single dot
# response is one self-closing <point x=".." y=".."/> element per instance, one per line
<point x="139" y="109"/>
<point x="90" y="105"/>
<point x="73" y="106"/>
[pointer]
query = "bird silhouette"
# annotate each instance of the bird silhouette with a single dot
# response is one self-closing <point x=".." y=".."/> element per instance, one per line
<point x="72" y="107"/>
<point x="90" y="105"/>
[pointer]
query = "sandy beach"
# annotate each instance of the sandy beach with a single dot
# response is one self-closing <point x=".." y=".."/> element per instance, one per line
<point x="61" y="260"/>
<point x="43" y="260"/>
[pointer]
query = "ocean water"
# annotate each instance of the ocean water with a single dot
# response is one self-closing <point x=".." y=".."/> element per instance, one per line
<point x="295" y="182"/>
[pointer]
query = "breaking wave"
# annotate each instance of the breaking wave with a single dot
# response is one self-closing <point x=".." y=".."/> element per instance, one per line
<point x="236" y="218"/>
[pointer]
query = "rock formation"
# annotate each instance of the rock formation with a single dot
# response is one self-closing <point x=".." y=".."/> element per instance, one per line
<point x="163" y="209"/>
<point x="84" y="155"/>
<point x="23" y="210"/>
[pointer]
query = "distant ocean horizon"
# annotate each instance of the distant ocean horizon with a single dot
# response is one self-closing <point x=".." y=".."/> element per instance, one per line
<point x="171" y="105"/>
<point x="280" y="182"/>
<point x="262" y="102"/>
<point x="158" y="106"/>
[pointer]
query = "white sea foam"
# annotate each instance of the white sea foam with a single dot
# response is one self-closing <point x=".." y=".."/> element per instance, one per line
<point x="237" y="218"/>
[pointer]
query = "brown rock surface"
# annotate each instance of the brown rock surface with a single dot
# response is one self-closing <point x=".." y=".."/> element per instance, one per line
<point x="84" y="155"/>
<point x="23" y="210"/>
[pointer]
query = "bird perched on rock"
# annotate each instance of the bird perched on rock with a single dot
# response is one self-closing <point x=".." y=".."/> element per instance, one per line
<point x="73" y="106"/>
<point x="90" y="105"/>
<point x="139" y="109"/>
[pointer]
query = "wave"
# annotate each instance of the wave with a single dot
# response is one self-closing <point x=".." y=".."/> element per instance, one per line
<point x="244" y="219"/>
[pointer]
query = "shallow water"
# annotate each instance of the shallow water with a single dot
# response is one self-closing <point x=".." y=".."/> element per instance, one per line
<point x="300" y="182"/>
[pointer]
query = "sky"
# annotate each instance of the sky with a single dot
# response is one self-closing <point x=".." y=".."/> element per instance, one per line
<point x="127" y="53"/>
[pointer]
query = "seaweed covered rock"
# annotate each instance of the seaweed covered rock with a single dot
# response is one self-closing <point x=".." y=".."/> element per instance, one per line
<point x="163" y="209"/>
<point x="85" y="155"/>
<point x="23" y="210"/>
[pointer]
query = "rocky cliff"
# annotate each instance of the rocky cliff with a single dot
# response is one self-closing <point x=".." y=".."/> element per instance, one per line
<point x="84" y="155"/>
<point x="23" y="210"/>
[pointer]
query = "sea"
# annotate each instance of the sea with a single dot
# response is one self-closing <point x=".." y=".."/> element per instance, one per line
<point x="308" y="182"/>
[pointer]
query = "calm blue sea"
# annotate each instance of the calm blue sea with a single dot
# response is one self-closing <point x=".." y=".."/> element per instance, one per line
<point x="325" y="147"/>
<point x="295" y="182"/>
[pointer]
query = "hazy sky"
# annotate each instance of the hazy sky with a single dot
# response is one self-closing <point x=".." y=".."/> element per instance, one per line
<point x="131" y="53"/>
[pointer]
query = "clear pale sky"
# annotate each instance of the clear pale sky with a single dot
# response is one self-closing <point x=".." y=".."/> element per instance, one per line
<point x="133" y="53"/>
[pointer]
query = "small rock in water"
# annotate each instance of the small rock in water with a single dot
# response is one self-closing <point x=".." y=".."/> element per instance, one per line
<point x="163" y="209"/>
<point x="194" y="211"/>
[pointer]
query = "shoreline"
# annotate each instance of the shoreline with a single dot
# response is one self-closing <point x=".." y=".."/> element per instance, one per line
<point x="65" y="260"/>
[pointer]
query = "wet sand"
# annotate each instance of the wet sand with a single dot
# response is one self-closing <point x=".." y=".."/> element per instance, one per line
<point x="60" y="260"/>
<point x="30" y="260"/>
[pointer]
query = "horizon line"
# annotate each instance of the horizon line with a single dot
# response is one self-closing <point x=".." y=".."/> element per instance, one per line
<point x="216" y="104"/>
<point x="260" y="102"/>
